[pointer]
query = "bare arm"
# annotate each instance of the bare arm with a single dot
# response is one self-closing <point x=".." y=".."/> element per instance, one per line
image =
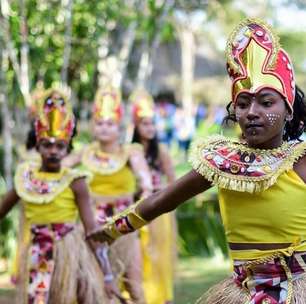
<point x="140" y="168"/>
<point x="73" y="159"/>
<point x="82" y="198"/>
<point x="9" y="200"/>
<point x="167" y="164"/>
<point x="174" y="195"/>
<point x="148" y="209"/>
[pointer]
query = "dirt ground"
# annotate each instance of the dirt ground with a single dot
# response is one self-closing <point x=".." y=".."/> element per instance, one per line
<point x="6" y="290"/>
<point x="7" y="298"/>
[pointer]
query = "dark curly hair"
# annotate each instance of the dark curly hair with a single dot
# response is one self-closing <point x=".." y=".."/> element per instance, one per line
<point x="294" y="128"/>
<point x="31" y="137"/>
<point x="152" y="154"/>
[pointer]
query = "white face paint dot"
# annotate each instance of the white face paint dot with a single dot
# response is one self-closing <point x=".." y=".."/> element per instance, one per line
<point x="259" y="33"/>
<point x="284" y="59"/>
<point x="272" y="118"/>
<point x="289" y="66"/>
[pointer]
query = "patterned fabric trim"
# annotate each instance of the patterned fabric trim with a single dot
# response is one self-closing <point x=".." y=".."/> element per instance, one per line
<point x="106" y="210"/>
<point x="103" y="163"/>
<point x="41" y="260"/>
<point x="31" y="187"/>
<point x="232" y="165"/>
<point x="270" y="281"/>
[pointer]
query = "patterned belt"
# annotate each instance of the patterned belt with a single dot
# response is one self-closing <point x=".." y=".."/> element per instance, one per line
<point x="41" y="259"/>
<point x="108" y="209"/>
<point x="269" y="280"/>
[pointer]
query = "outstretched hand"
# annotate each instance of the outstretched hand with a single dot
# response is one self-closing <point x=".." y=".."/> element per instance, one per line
<point x="99" y="235"/>
<point x="112" y="291"/>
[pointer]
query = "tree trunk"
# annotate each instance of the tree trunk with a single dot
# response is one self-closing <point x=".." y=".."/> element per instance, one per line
<point x="125" y="51"/>
<point x="144" y="66"/>
<point x="6" y="123"/>
<point x="188" y="57"/>
<point x="103" y="50"/>
<point x="149" y="49"/>
<point x="24" y="55"/>
<point x="21" y="68"/>
<point x="68" y="37"/>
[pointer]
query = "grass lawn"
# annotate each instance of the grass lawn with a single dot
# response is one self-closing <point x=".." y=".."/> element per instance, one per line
<point x="195" y="275"/>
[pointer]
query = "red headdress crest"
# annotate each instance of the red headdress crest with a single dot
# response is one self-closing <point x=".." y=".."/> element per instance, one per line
<point x="255" y="61"/>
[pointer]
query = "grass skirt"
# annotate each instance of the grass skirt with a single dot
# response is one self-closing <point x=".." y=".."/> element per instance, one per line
<point x="126" y="261"/>
<point x="76" y="273"/>
<point x="228" y="292"/>
<point x="122" y="252"/>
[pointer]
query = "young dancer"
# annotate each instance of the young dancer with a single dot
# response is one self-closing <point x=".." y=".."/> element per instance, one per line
<point x="158" y="240"/>
<point x="261" y="180"/>
<point x="56" y="265"/>
<point x="115" y="168"/>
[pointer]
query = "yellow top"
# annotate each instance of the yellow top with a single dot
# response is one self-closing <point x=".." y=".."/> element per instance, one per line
<point x="262" y="199"/>
<point x="60" y="210"/>
<point x="277" y="215"/>
<point x="119" y="183"/>
<point x="112" y="175"/>
<point x="47" y="197"/>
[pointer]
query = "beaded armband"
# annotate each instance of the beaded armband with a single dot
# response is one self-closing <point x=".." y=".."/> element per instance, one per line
<point x="125" y="222"/>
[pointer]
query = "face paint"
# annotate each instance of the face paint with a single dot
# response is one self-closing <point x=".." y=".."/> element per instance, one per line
<point x="272" y="118"/>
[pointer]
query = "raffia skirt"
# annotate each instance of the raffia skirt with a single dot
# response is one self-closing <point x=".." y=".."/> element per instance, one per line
<point x="278" y="281"/>
<point x="227" y="292"/>
<point x="126" y="261"/>
<point x="122" y="252"/>
<point x="76" y="273"/>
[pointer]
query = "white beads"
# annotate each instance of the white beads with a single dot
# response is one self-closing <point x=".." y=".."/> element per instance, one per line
<point x="272" y="118"/>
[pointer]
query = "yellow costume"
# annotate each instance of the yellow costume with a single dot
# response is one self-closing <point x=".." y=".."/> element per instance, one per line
<point x="158" y="238"/>
<point x="50" y="212"/>
<point x="267" y="191"/>
<point x="158" y="250"/>
<point x="158" y="259"/>
<point x="113" y="188"/>
<point x="55" y="263"/>
<point x="262" y="199"/>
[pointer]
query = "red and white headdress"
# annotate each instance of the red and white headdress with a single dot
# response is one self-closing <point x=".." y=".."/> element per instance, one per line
<point x="256" y="61"/>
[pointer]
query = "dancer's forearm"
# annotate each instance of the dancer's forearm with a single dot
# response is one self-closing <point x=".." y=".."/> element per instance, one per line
<point x="171" y="197"/>
<point x="147" y="209"/>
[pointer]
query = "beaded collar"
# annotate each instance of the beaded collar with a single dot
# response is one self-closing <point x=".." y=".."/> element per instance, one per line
<point x="42" y="187"/>
<point x="103" y="163"/>
<point x="234" y="166"/>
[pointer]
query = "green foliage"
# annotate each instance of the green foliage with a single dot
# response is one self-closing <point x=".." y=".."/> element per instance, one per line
<point x="200" y="228"/>
<point x="199" y="224"/>
<point x="7" y="231"/>
<point x="194" y="276"/>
